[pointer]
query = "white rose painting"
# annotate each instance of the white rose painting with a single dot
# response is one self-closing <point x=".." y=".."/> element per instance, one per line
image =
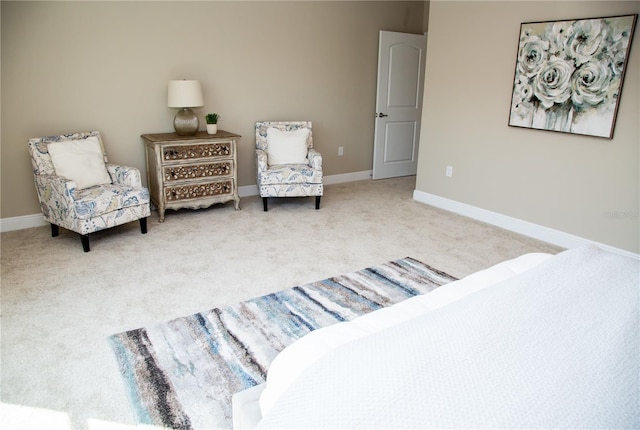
<point x="569" y="74"/>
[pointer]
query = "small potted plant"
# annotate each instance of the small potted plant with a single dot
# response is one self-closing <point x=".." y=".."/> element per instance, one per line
<point x="212" y="123"/>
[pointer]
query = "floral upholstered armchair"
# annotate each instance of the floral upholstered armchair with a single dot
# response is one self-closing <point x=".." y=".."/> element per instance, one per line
<point x="287" y="164"/>
<point x="78" y="190"/>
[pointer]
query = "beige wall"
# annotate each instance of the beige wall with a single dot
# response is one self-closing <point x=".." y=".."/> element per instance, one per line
<point x="74" y="66"/>
<point x="585" y="186"/>
<point x="425" y="17"/>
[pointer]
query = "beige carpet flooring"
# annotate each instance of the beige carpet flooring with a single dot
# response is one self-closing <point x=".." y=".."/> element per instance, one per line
<point x="60" y="304"/>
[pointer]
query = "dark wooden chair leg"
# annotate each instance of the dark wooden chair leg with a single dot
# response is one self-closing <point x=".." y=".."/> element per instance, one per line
<point x="264" y="203"/>
<point x="318" y="202"/>
<point x="55" y="230"/>
<point x="85" y="242"/>
<point x="143" y="225"/>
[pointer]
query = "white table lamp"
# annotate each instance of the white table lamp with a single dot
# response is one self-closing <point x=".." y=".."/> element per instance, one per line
<point x="185" y="94"/>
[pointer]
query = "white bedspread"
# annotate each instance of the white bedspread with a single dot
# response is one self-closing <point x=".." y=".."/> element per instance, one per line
<point x="556" y="346"/>
<point x="289" y="363"/>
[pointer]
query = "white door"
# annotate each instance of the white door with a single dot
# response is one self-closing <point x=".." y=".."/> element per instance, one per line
<point x="401" y="60"/>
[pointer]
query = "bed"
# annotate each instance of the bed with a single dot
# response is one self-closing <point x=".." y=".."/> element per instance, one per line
<point x="540" y="341"/>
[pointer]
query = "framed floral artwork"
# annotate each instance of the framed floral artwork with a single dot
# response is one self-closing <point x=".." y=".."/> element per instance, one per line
<point x="569" y="74"/>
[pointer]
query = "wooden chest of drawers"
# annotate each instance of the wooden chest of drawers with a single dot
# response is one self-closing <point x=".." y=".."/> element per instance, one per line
<point x="191" y="171"/>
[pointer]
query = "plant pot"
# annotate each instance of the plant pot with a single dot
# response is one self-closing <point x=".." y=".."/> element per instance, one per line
<point x="212" y="128"/>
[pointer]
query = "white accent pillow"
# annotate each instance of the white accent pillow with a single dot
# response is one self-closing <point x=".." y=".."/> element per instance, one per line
<point x="81" y="161"/>
<point x="287" y="147"/>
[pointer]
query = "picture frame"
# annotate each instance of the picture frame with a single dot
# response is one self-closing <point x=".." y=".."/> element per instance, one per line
<point x="569" y="74"/>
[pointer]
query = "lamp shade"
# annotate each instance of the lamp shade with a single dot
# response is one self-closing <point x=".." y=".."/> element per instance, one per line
<point x="185" y="93"/>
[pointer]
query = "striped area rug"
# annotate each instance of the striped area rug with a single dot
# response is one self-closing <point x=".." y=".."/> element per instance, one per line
<point x="182" y="373"/>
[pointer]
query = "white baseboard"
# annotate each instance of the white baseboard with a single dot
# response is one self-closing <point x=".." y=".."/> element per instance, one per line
<point x="22" y="222"/>
<point x="36" y="220"/>
<point x="248" y="190"/>
<point x="347" y="177"/>
<point x="545" y="234"/>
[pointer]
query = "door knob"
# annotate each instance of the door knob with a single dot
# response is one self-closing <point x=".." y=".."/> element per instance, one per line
<point x="381" y="115"/>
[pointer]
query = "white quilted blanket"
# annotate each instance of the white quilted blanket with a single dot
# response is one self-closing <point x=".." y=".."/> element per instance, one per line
<point x="555" y="347"/>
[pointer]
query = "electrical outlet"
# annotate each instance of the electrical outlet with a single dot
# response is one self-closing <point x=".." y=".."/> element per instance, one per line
<point x="449" y="171"/>
<point x="340" y="151"/>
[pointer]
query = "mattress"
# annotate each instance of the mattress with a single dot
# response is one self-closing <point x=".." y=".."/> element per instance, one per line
<point x="290" y="362"/>
<point x="539" y="341"/>
<point x="249" y="405"/>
